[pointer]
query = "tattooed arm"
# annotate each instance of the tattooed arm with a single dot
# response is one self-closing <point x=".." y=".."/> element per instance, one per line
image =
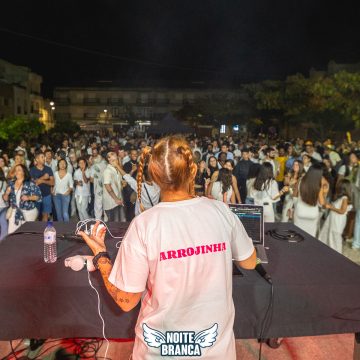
<point x="126" y="300"/>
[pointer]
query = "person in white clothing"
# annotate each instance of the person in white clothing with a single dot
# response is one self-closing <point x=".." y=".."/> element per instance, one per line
<point x="177" y="259"/>
<point x="264" y="191"/>
<point x="112" y="196"/>
<point x="332" y="230"/>
<point x="221" y="189"/>
<point x="96" y="177"/>
<point x="313" y="189"/>
<point x="63" y="188"/>
<point x="82" y="189"/>
<point x="150" y="192"/>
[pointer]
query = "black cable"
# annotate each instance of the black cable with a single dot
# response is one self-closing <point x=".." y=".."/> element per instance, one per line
<point x="12" y="349"/>
<point x="265" y="320"/>
<point x="289" y="236"/>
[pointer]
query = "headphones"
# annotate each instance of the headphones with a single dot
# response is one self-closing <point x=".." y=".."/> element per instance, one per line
<point x="79" y="262"/>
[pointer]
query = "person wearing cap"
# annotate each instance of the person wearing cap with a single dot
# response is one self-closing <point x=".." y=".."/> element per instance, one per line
<point x="309" y="149"/>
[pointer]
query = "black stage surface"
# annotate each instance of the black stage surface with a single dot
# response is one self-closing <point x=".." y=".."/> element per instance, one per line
<point x="316" y="291"/>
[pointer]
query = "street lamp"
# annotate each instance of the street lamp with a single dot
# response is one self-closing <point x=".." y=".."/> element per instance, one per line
<point x="52" y="107"/>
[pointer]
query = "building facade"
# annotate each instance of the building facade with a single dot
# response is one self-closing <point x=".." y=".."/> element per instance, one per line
<point x="113" y="106"/>
<point x="20" y="93"/>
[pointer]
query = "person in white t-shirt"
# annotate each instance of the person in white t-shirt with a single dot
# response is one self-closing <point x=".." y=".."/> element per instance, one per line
<point x="177" y="258"/>
<point x="150" y="192"/>
<point x="97" y="169"/>
<point x="62" y="190"/>
<point x="82" y="189"/>
<point x="112" y="195"/>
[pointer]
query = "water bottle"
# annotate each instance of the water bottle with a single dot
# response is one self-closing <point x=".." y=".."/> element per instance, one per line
<point x="50" y="254"/>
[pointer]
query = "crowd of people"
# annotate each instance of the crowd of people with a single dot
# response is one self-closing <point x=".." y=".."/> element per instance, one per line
<point x="315" y="185"/>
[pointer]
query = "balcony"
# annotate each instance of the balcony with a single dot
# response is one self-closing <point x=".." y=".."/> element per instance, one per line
<point x="62" y="101"/>
<point x="91" y="101"/>
<point x="115" y="102"/>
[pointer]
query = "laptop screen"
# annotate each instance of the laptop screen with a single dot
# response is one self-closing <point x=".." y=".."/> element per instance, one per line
<point x="252" y="217"/>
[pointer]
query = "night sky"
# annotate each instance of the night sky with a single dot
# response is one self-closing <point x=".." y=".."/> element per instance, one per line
<point x="169" y="41"/>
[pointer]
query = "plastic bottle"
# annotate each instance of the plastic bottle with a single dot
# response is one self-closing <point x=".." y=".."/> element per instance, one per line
<point x="50" y="253"/>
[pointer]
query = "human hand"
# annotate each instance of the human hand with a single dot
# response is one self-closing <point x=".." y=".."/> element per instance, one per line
<point x="96" y="240"/>
<point x="38" y="181"/>
<point x="119" y="202"/>
<point x="25" y="198"/>
<point x="285" y="189"/>
<point x="327" y="206"/>
<point x="45" y="177"/>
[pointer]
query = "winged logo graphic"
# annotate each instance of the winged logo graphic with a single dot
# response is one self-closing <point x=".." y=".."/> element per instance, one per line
<point x="152" y="337"/>
<point x="205" y="338"/>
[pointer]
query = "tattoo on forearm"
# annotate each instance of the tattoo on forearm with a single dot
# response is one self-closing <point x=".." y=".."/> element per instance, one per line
<point x="105" y="267"/>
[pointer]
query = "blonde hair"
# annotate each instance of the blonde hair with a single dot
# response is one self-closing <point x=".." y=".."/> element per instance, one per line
<point x="170" y="165"/>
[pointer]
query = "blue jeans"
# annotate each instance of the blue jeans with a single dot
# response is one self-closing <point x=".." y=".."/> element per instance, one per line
<point x="3" y="223"/>
<point x="356" y="240"/>
<point x="62" y="207"/>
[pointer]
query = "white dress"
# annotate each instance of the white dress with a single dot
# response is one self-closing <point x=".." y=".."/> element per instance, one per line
<point x="306" y="217"/>
<point x="334" y="225"/>
<point x="216" y="192"/>
<point x="265" y="198"/>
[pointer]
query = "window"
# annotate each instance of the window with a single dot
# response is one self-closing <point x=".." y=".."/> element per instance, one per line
<point x="222" y="129"/>
<point x="19" y="109"/>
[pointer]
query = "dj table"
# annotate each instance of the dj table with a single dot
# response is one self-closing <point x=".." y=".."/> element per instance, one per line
<point x="316" y="291"/>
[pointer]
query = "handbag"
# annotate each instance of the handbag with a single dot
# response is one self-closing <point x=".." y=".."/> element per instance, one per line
<point x="133" y="197"/>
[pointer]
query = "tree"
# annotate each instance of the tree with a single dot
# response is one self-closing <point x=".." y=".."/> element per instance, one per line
<point x="15" y="128"/>
<point x="216" y="109"/>
<point x="66" y="126"/>
<point x="329" y="102"/>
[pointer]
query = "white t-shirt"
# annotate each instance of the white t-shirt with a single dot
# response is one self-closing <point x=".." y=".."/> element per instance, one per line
<point x="64" y="184"/>
<point x="52" y="165"/>
<point x="83" y="190"/>
<point x="180" y="255"/>
<point x="113" y="178"/>
<point x="96" y="172"/>
<point x="153" y="191"/>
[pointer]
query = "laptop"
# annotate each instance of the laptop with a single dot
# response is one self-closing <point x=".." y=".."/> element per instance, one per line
<point x="252" y="217"/>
